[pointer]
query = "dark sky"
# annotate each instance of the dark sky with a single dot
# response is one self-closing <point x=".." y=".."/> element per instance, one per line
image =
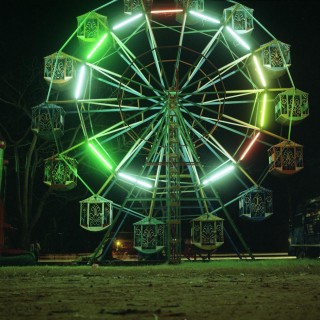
<point x="35" y="29"/>
<point x="42" y="27"/>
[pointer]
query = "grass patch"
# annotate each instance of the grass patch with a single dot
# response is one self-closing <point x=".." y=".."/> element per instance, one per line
<point x="220" y="266"/>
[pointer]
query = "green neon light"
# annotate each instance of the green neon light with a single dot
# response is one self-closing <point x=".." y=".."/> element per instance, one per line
<point x="96" y="46"/>
<point x="135" y="180"/>
<point x="124" y="23"/>
<point x="204" y="17"/>
<point x="80" y="82"/>
<point x="95" y="150"/>
<point x="219" y="174"/>
<point x="234" y="34"/>
<point x="256" y="62"/>
<point x="263" y="111"/>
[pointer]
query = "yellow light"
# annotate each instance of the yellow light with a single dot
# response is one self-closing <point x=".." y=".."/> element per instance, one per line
<point x="263" y="111"/>
<point x="250" y="146"/>
<point x="263" y="81"/>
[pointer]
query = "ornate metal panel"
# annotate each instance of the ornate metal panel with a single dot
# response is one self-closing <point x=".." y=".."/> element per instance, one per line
<point x="60" y="173"/>
<point x="149" y="235"/>
<point x="96" y="213"/>
<point x="240" y="18"/>
<point x="91" y="27"/>
<point x="286" y="158"/>
<point x="48" y="121"/>
<point x="256" y="204"/>
<point x="291" y="107"/>
<point x="59" y="70"/>
<point x="207" y="232"/>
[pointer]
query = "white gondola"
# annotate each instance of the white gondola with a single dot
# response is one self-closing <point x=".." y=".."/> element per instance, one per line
<point x="96" y="213"/>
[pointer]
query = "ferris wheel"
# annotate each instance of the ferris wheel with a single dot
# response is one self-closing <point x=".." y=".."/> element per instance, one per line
<point x="186" y="112"/>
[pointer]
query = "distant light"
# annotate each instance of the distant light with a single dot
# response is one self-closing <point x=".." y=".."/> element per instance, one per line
<point x="263" y="81"/>
<point x="204" y="17"/>
<point x="135" y="180"/>
<point x="166" y="11"/>
<point x="234" y="34"/>
<point x="123" y="23"/>
<point x="263" y="111"/>
<point x="219" y="174"/>
<point x="96" y="46"/>
<point x="100" y="156"/>
<point x="80" y="82"/>
<point x="250" y="146"/>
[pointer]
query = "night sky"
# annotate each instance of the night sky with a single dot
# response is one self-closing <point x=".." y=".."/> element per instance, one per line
<point x="35" y="29"/>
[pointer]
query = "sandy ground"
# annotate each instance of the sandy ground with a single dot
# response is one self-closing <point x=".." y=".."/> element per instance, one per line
<point x="190" y="290"/>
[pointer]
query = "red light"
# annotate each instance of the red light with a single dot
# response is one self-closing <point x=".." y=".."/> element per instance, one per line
<point x="166" y="11"/>
<point x="249" y="146"/>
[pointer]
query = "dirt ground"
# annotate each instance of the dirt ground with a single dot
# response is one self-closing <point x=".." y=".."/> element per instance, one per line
<point x="191" y="290"/>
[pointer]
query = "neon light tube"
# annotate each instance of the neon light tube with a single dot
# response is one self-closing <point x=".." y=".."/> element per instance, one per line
<point x="80" y="82"/>
<point x="263" y="111"/>
<point x="250" y="146"/>
<point x="234" y="34"/>
<point x="219" y="174"/>
<point x="204" y="17"/>
<point x="121" y="24"/>
<point x="134" y="180"/>
<point x="263" y="81"/>
<point x="166" y="11"/>
<point x="100" y="155"/>
<point x="96" y="46"/>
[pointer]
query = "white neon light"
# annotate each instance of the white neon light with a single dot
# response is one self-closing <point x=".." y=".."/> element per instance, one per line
<point x="234" y="34"/>
<point x="123" y="23"/>
<point x="135" y="180"/>
<point x="219" y="174"/>
<point x="204" y="17"/>
<point x="80" y="82"/>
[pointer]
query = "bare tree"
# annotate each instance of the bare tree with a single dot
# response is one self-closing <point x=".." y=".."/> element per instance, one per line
<point x="20" y="90"/>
